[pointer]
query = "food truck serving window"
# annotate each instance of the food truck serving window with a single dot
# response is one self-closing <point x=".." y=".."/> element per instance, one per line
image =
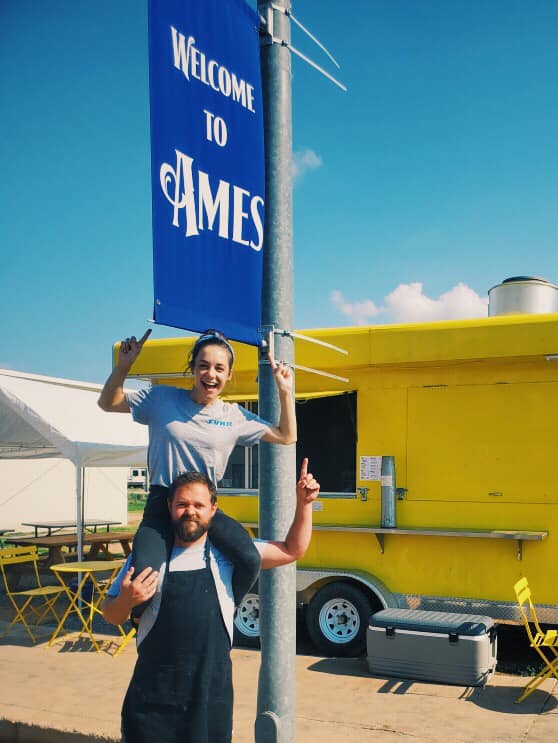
<point x="326" y="435"/>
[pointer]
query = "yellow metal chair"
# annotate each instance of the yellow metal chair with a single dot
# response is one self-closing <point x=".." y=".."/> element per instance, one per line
<point x="37" y="602"/>
<point x="544" y="642"/>
<point x="125" y="640"/>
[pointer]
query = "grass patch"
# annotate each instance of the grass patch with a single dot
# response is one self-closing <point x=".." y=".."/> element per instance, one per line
<point x="135" y="507"/>
<point x="136" y="500"/>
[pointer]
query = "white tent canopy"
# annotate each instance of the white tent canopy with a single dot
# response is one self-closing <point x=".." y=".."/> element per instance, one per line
<point x="46" y="417"/>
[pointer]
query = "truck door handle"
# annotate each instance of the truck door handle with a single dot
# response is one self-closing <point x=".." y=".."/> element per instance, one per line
<point x="363" y="492"/>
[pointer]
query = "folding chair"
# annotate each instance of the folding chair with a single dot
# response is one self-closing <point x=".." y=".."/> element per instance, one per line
<point x="127" y="636"/>
<point x="37" y="602"/>
<point x="545" y="643"/>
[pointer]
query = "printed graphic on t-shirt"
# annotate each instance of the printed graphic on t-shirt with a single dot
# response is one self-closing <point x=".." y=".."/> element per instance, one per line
<point x="215" y="422"/>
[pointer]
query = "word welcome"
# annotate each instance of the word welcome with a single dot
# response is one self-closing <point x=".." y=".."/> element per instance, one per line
<point x="191" y="61"/>
<point x="202" y="208"/>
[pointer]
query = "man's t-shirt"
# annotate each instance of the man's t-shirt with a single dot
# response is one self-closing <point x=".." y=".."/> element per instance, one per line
<point x="189" y="558"/>
<point x="185" y="436"/>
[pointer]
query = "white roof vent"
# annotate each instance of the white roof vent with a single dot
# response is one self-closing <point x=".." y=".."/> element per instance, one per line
<point x="522" y="294"/>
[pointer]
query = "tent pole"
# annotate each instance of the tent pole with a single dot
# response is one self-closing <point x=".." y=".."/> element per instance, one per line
<point x="79" y="510"/>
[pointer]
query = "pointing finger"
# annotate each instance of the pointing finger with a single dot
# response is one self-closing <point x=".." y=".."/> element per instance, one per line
<point x="144" y="337"/>
<point x="303" y="468"/>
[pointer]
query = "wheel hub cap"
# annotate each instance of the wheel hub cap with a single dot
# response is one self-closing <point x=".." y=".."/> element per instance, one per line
<point x="339" y="621"/>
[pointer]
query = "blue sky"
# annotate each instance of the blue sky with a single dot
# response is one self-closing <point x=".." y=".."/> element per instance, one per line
<point x="433" y="178"/>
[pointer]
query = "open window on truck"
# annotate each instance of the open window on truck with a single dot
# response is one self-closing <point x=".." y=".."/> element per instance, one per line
<point x="326" y="435"/>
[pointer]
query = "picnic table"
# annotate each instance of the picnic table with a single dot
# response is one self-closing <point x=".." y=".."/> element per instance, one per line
<point x="98" y="544"/>
<point x="54" y="526"/>
<point x="2" y="533"/>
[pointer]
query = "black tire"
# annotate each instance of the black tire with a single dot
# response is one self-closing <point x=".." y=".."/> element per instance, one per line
<point x="247" y="622"/>
<point x="337" y="620"/>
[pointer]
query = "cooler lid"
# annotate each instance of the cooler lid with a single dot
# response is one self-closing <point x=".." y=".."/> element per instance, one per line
<point x="444" y="622"/>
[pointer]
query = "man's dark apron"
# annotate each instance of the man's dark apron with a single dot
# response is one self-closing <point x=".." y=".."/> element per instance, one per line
<point x="181" y="689"/>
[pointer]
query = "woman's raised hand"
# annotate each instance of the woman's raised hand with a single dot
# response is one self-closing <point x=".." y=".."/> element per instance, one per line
<point x="130" y="349"/>
<point x="282" y="375"/>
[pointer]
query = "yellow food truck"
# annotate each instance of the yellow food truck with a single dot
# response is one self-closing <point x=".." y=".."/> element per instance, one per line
<point x="467" y="409"/>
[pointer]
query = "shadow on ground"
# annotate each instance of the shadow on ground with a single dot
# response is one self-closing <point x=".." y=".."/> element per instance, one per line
<point x="491" y="697"/>
<point x="68" y="641"/>
<point x="503" y="698"/>
<point x="20" y="731"/>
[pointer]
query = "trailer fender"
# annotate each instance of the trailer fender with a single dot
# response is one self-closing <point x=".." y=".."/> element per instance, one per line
<point x="309" y="581"/>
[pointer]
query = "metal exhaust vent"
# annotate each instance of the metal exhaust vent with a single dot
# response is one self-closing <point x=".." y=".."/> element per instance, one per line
<point x="522" y="294"/>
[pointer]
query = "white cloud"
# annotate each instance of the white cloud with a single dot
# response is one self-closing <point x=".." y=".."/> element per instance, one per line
<point x="408" y="303"/>
<point x="359" y="313"/>
<point x="303" y="161"/>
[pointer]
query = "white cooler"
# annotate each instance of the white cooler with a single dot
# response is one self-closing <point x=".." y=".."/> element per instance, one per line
<point x="432" y="646"/>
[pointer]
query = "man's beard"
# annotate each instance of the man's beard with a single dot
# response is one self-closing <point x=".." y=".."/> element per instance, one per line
<point x="188" y="530"/>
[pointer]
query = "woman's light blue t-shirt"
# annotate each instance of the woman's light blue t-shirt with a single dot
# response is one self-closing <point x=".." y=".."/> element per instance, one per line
<point x="185" y="436"/>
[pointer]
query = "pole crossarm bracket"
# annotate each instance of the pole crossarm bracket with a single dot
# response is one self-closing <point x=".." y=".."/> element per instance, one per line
<point x="267" y="35"/>
<point x="314" y="340"/>
<point x="268" y="333"/>
<point x="321" y="373"/>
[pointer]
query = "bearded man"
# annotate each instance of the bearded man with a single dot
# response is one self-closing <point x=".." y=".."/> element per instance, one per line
<point x="181" y="688"/>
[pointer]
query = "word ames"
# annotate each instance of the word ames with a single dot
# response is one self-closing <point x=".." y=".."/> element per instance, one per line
<point x="237" y="214"/>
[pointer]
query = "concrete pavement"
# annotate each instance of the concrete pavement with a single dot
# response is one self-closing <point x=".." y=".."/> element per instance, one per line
<point x="71" y="694"/>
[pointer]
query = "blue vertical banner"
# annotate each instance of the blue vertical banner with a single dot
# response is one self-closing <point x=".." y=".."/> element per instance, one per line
<point x="207" y="165"/>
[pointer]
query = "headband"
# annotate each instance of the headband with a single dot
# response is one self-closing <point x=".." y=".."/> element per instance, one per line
<point x="215" y="337"/>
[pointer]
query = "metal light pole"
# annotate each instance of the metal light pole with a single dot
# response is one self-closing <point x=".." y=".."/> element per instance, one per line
<point x="276" y="688"/>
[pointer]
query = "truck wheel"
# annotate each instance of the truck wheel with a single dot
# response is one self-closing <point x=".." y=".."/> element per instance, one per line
<point x="337" y="620"/>
<point x="247" y="622"/>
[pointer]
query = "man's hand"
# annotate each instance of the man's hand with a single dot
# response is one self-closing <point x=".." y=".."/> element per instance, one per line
<point x="275" y="554"/>
<point x="307" y="487"/>
<point x="282" y="375"/>
<point x="135" y="592"/>
<point x="130" y="349"/>
<point x="116" y="609"/>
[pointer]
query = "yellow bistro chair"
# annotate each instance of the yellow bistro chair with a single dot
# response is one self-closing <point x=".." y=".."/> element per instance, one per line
<point x="544" y="642"/>
<point x="125" y="640"/>
<point x="37" y="602"/>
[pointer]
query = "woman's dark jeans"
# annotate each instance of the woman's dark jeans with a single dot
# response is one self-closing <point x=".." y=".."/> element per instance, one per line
<point x="154" y="540"/>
